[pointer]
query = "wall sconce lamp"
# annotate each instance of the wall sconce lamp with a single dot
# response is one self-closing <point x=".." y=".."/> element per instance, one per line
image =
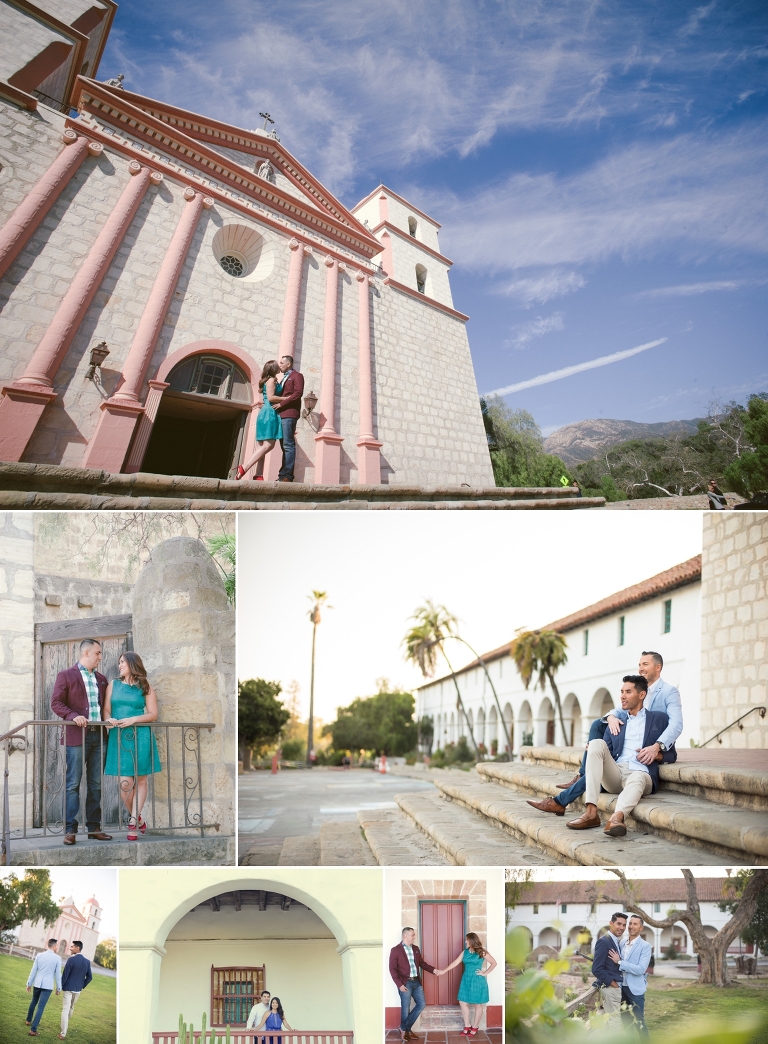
<point x="310" y="401"/>
<point x="98" y="355"/>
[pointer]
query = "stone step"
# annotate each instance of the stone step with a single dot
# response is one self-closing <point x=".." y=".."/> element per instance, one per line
<point x="440" y="1017"/>
<point x="149" y="851"/>
<point x="736" y="778"/>
<point x="740" y="833"/>
<point x="302" y="850"/>
<point x="395" y="840"/>
<point x="465" y="838"/>
<point x="58" y="488"/>
<point x="643" y="845"/>
<point x="344" y="844"/>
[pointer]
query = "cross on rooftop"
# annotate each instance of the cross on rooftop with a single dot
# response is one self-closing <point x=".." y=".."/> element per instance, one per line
<point x="267" y="118"/>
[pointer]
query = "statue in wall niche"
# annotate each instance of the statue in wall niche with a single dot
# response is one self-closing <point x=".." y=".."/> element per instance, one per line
<point x="267" y="172"/>
<point x="116" y="81"/>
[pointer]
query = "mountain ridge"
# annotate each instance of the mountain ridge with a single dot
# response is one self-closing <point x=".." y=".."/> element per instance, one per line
<point x="587" y="439"/>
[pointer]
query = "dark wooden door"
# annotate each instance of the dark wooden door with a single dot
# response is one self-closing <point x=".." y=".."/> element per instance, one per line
<point x="57" y="648"/>
<point x="442" y="940"/>
<point x="550" y="732"/>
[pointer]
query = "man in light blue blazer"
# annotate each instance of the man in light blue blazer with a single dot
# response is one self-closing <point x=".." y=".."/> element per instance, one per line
<point x="633" y="959"/>
<point x="661" y="697"/>
<point x="43" y="979"/>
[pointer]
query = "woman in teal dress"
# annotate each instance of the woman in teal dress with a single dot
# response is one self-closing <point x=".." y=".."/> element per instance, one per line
<point x="473" y="989"/>
<point x="131" y="751"/>
<point x="269" y="427"/>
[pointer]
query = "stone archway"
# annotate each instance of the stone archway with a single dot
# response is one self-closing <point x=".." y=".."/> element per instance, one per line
<point x="153" y="901"/>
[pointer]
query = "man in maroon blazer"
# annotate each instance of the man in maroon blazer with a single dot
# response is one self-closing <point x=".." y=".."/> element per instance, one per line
<point x="78" y="696"/>
<point x="289" y="411"/>
<point x="405" y="966"/>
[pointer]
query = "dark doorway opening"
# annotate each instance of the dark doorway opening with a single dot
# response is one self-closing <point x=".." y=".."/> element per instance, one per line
<point x="194" y="436"/>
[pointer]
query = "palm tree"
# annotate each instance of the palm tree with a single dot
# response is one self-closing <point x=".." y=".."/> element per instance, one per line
<point x="433" y="625"/>
<point x="481" y="661"/>
<point x="542" y="653"/>
<point x="319" y="600"/>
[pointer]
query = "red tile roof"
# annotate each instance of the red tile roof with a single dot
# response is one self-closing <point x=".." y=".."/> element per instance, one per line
<point x="664" y="890"/>
<point x="678" y="576"/>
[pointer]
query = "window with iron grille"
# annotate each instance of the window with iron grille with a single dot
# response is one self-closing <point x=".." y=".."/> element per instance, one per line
<point x="621" y="630"/>
<point x="234" y="992"/>
<point x="668" y="616"/>
<point x="586" y="643"/>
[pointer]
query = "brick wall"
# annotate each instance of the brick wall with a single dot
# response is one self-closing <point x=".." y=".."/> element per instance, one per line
<point x="734" y="664"/>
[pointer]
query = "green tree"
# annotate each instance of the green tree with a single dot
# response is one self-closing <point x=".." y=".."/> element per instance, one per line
<point x="517" y="448"/>
<point x="433" y="626"/>
<point x="383" y="722"/>
<point x="756" y="932"/>
<point x="260" y="717"/>
<point x="27" y="899"/>
<point x="426" y="733"/>
<point x="106" y="954"/>
<point x="542" y="653"/>
<point x="223" y="550"/>
<point x="517" y="882"/>
<point x="749" y="474"/>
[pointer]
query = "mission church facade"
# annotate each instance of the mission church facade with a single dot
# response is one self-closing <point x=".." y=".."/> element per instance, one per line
<point x="193" y="252"/>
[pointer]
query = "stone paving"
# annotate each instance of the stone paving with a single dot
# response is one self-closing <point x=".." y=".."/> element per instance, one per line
<point x="158" y="850"/>
<point x="490" y="1036"/>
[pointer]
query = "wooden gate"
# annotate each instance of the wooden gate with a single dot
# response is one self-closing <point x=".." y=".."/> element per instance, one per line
<point x="57" y="647"/>
<point x="442" y="940"/>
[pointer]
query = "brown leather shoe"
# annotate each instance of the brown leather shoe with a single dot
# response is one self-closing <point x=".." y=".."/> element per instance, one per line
<point x="99" y="835"/>
<point x="70" y="839"/>
<point x="549" y="805"/>
<point x="615" y="827"/>
<point x="564" y="786"/>
<point x="585" y="822"/>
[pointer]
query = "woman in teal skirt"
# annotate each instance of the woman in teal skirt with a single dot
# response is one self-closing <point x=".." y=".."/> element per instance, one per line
<point x="473" y="989"/>
<point x="131" y="751"/>
<point x="269" y="427"/>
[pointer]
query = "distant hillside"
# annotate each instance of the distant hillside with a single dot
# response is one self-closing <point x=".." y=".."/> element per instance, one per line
<point x="588" y="439"/>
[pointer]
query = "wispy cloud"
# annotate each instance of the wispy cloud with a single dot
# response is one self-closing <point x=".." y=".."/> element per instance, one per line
<point x="696" y="17"/>
<point x="542" y="288"/>
<point x="569" y="371"/>
<point x="690" y="289"/>
<point x="538" y="327"/>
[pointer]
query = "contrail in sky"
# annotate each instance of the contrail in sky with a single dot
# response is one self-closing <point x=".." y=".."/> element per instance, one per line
<point x="556" y="375"/>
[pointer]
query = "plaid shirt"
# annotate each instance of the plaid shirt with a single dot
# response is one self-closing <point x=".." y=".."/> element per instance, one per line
<point x="409" y="955"/>
<point x="92" y="691"/>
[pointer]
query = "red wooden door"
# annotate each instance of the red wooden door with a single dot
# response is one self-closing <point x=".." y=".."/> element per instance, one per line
<point x="442" y="940"/>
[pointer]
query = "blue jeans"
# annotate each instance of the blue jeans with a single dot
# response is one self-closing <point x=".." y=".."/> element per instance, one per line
<point x="289" y="446"/>
<point x="596" y="731"/>
<point x="90" y="752"/>
<point x="408" y="1015"/>
<point x="636" y="1002"/>
<point x="39" y="1000"/>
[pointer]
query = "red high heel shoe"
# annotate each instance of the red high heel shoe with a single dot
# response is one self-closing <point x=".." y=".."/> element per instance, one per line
<point x="142" y="825"/>
<point x="131" y="835"/>
<point x="240" y="472"/>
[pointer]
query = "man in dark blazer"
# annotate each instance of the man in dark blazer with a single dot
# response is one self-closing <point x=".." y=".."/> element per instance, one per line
<point x="613" y="765"/>
<point x="78" y="697"/>
<point x="289" y="411"/>
<point x="405" y="967"/>
<point x="605" y="969"/>
<point x="77" y="974"/>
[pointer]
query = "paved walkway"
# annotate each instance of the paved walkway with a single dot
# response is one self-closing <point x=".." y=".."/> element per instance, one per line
<point x="298" y="802"/>
<point x="724" y="757"/>
<point x="492" y="1036"/>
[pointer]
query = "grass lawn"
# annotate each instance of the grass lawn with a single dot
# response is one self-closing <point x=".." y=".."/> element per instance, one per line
<point x="670" y="1002"/>
<point x="93" y="1022"/>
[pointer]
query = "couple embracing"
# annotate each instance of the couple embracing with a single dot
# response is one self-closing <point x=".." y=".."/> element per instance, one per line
<point x="281" y="388"/>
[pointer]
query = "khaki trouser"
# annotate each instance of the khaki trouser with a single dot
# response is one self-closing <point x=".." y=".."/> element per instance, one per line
<point x="612" y="1001"/>
<point x="602" y="770"/>
<point x="69" y="1000"/>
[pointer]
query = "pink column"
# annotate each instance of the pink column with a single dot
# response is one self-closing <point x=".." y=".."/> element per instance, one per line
<point x="328" y="442"/>
<point x="274" y="458"/>
<point x="387" y="261"/>
<point x="24" y="401"/>
<point x="109" y="445"/>
<point x="22" y="223"/>
<point x="368" y="447"/>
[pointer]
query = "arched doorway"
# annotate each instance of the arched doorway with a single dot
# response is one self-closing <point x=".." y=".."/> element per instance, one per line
<point x="545" y="723"/>
<point x="550" y="937"/>
<point x="580" y="938"/>
<point x="572" y="720"/>
<point x="602" y="704"/>
<point x="202" y="418"/>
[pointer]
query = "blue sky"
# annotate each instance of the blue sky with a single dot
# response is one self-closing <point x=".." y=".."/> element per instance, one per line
<point x="600" y="169"/>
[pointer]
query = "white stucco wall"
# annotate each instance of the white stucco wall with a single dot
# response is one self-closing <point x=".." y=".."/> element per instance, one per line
<point x="585" y="678"/>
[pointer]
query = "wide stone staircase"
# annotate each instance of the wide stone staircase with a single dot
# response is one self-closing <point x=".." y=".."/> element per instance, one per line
<point x="711" y="806"/>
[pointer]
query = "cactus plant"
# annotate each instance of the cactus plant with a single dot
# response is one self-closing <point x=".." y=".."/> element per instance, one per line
<point x="202" y="1030"/>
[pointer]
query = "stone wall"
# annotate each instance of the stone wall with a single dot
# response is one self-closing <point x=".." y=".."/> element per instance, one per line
<point x="734" y="664"/>
<point x="65" y="598"/>
<point x="184" y="630"/>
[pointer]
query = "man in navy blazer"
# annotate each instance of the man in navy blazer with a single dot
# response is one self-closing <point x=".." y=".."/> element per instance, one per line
<point x="78" y="697"/>
<point x="77" y="975"/>
<point x="605" y="969"/>
<point x="612" y="762"/>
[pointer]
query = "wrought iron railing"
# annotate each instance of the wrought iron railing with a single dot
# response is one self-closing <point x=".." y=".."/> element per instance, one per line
<point x="35" y="784"/>
<point x="737" y="722"/>
<point x="249" y="1036"/>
